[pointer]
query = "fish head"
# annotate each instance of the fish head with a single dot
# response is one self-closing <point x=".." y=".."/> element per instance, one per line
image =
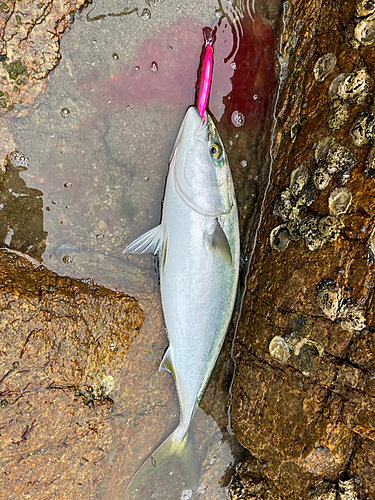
<point x="200" y="168"/>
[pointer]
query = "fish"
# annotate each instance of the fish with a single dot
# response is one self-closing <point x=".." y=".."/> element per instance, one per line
<point x="198" y="248"/>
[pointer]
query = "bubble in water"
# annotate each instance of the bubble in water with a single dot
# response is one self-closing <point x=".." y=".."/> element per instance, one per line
<point x="128" y="108"/>
<point x="65" y="112"/>
<point x="255" y="97"/>
<point x="18" y="159"/>
<point x="146" y="14"/>
<point x="233" y="65"/>
<point x="137" y="68"/>
<point x="146" y="178"/>
<point x="115" y="56"/>
<point x="243" y="163"/>
<point x="68" y="185"/>
<point x="154" y="66"/>
<point x="238" y="119"/>
<point x="67" y="259"/>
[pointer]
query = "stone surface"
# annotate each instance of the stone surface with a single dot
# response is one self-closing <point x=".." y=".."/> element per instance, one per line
<point x="311" y="418"/>
<point x="63" y="347"/>
<point x="30" y="34"/>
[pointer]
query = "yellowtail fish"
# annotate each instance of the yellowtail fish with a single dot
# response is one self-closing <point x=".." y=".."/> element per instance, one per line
<point x="198" y="247"/>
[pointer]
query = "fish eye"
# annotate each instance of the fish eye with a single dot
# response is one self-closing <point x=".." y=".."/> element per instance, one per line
<point x="215" y="150"/>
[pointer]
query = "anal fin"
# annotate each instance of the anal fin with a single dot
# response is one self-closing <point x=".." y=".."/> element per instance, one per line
<point x="166" y="363"/>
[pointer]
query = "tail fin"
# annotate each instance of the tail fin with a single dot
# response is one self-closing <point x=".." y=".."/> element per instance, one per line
<point x="178" y="445"/>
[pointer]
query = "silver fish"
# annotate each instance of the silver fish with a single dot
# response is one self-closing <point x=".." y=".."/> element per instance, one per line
<point x="199" y="252"/>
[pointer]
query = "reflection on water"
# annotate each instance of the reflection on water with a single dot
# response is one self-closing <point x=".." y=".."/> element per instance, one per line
<point x="99" y="143"/>
<point x="21" y="213"/>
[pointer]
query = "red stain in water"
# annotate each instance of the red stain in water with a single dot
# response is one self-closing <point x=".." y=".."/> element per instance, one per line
<point x="165" y="68"/>
<point x="253" y="79"/>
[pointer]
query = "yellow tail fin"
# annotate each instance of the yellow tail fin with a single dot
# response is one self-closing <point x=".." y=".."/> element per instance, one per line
<point x="174" y="446"/>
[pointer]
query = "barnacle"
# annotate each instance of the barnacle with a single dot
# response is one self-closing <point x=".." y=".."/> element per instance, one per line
<point x="321" y="178"/>
<point x="365" y="8"/>
<point x="364" y="32"/>
<point x="339" y="115"/>
<point x="322" y="149"/>
<point x="310" y="233"/>
<point x="323" y="66"/>
<point x="298" y="180"/>
<point x="340" y="160"/>
<point x="280" y="237"/>
<point x="361" y="129"/>
<point x="351" y="317"/>
<point x="279" y="349"/>
<point x="282" y="206"/>
<point x="334" y="86"/>
<point x="330" y="227"/>
<point x="328" y="298"/>
<point x="354" y="84"/>
<point x="18" y="160"/>
<point x="339" y="201"/>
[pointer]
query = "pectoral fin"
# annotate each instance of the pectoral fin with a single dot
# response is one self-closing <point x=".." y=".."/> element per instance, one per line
<point x="218" y="243"/>
<point x="149" y="242"/>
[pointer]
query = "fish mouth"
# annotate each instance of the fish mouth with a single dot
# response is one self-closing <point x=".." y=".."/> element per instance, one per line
<point x="195" y="123"/>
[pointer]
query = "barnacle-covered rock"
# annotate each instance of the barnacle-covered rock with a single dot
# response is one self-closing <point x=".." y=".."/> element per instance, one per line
<point x="280" y="237"/>
<point x="279" y="349"/>
<point x="361" y="129"/>
<point x="328" y="298"/>
<point x="323" y="66"/>
<point x="309" y="231"/>
<point x="351" y="317"/>
<point x="321" y="177"/>
<point x="340" y="161"/>
<point x="298" y="180"/>
<point x="364" y="32"/>
<point x="354" y="84"/>
<point x="339" y="115"/>
<point x="339" y="201"/>
<point x="330" y="227"/>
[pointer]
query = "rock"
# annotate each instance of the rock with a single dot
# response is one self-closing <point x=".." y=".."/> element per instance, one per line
<point x="65" y="347"/>
<point x="30" y="34"/>
<point x="311" y="418"/>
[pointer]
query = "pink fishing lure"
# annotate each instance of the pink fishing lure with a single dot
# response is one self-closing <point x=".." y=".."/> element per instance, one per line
<point x="204" y="88"/>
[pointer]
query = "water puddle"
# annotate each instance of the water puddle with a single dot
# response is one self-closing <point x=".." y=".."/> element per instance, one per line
<point x="96" y="150"/>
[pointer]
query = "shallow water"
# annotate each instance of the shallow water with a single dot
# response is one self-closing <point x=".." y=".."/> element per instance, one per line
<point x="98" y="144"/>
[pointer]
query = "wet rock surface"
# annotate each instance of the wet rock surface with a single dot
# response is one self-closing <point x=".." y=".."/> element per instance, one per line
<point x="30" y="34"/>
<point x="306" y="414"/>
<point x="63" y="344"/>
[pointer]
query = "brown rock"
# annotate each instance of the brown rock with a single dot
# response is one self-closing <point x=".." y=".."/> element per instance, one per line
<point x="30" y="35"/>
<point x="63" y="351"/>
<point x="313" y="416"/>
